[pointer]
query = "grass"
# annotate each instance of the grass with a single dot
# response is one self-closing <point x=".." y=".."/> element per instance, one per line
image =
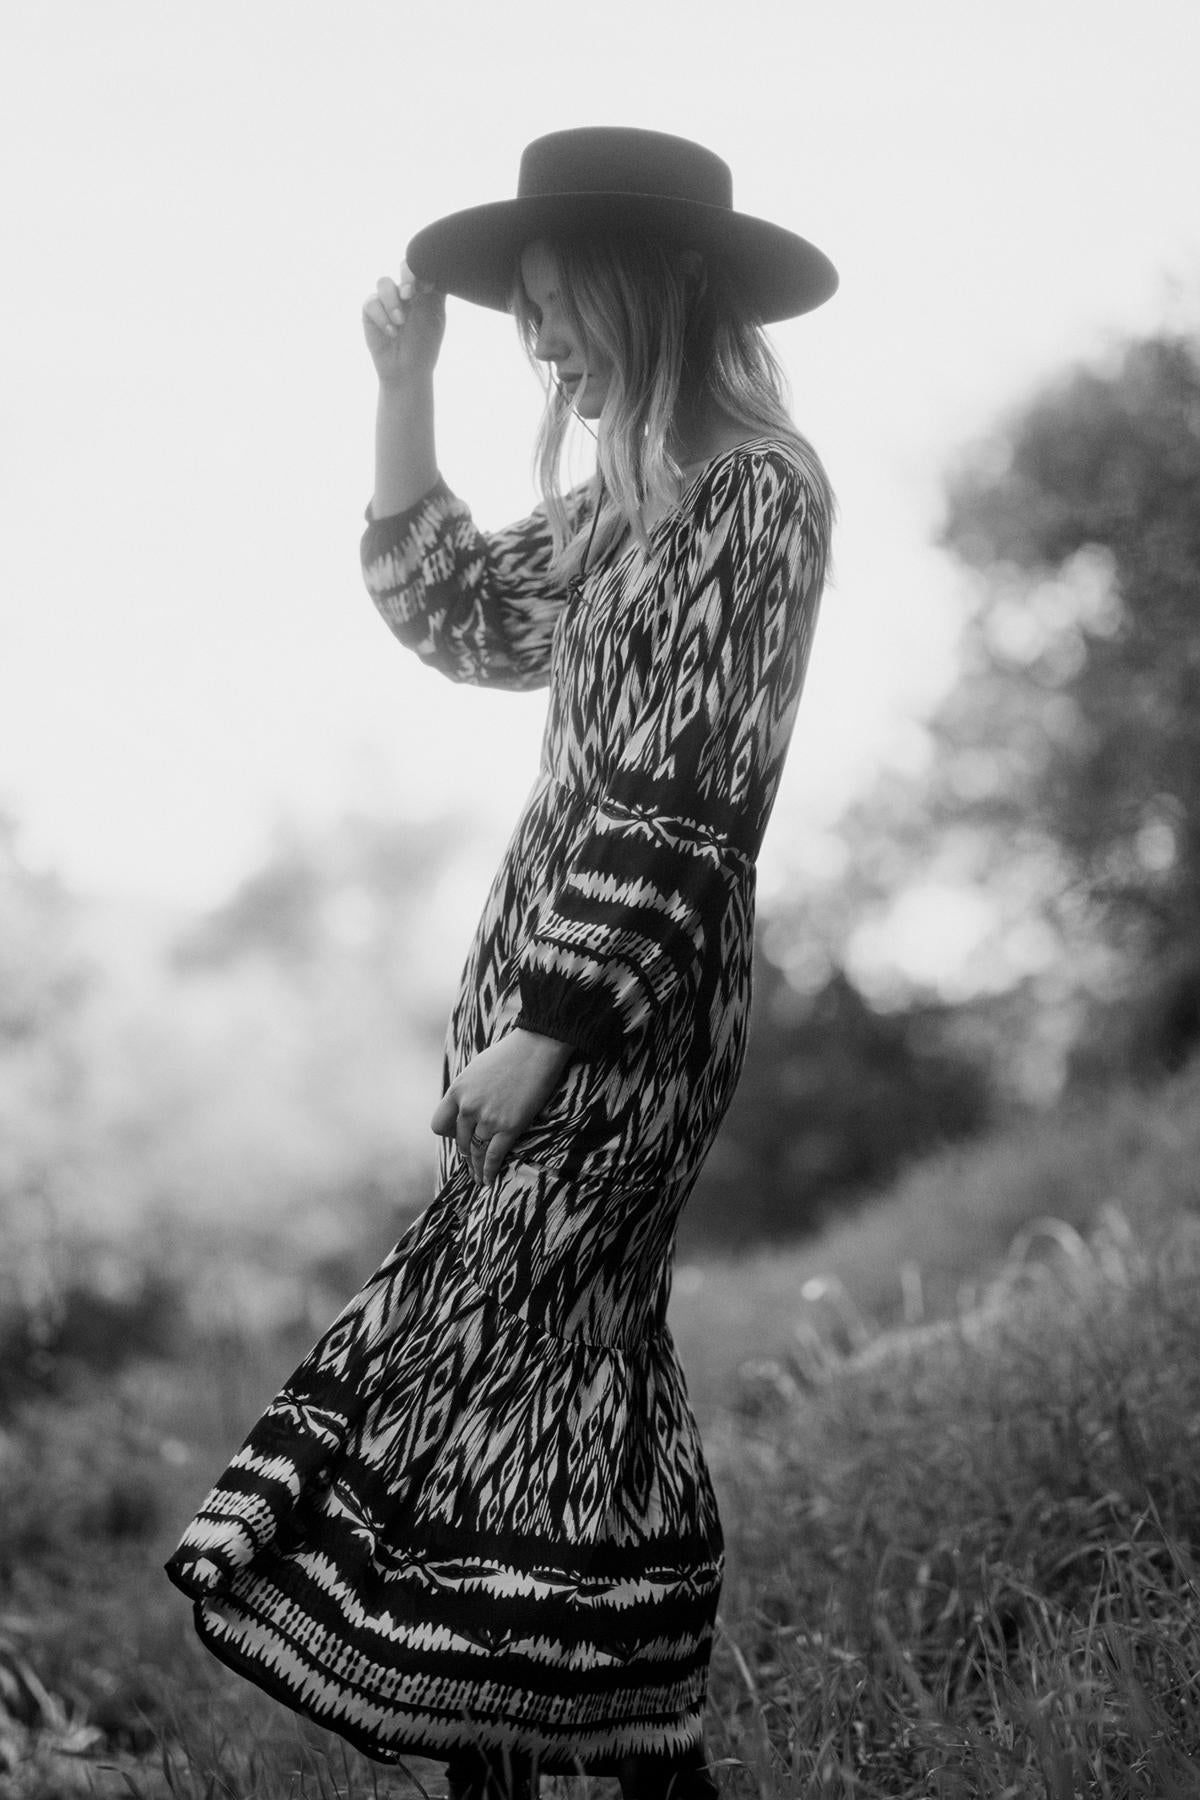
<point x="964" y="1564"/>
<point x="961" y="1549"/>
<point x="935" y="1244"/>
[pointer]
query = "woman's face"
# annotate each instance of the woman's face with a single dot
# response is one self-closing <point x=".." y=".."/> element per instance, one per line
<point x="582" y="374"/>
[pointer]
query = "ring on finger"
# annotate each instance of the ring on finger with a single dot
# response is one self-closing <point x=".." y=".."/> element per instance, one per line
<point x="480" y="1143"/>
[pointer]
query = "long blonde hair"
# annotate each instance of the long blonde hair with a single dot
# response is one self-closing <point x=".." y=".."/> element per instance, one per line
<point x="668" y="325"/>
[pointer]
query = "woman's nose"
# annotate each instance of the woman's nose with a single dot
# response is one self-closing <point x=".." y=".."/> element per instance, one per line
<point x="548" y="345"/>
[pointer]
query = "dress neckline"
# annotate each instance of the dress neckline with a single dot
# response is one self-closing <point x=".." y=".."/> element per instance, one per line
<point x="618" y="556"/>
<point x="768" y="440"/>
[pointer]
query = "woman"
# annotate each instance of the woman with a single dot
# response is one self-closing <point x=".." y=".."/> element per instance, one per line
<point x="477" y="1524"/>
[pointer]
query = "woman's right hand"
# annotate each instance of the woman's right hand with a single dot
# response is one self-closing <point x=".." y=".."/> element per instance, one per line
<point x="403" y="323"/>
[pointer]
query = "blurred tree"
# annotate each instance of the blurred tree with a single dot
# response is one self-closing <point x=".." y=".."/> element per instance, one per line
<point x="42" y="975"/>
<point x="835" y="1098"/>
<point x="1077" y="720"/>
<point x="315" y="996"/>
<point x="361" y="888"/>
<point x="44" y="984"/>
<point x="241" y="1106"/>
<point x="1063" y="776"/>
<point x="1080" y="704"/>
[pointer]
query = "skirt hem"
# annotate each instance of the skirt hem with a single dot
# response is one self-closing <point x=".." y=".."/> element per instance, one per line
<point x="550" y="1759"/>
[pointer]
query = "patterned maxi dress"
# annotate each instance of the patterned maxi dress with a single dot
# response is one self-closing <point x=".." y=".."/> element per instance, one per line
<point x="479" y="1512"/>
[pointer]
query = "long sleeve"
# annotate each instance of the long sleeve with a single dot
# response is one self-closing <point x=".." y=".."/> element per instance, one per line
<point x="480" y="608"/>
<point x="721" y="660"/>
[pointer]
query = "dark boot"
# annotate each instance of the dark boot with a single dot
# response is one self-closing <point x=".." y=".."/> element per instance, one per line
<point x="685" y="1777"/>
<point x="490" y="1775"/>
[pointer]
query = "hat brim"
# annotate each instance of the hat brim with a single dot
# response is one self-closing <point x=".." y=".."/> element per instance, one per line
<point x="473" y="254"/>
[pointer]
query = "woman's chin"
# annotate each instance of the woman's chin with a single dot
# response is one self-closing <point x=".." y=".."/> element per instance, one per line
<point x="587" y="404"/>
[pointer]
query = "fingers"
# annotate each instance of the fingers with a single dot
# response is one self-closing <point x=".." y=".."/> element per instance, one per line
<point x="387" y="308"/>
<point x="498" y="1147"/>
<point x="482" y="1150"/>
<point x="477" y="1154"/>
<point x="471" y="1139"/>
<point x="487" y="1151"/>
<point x="464" y="1134"/>
<point x="450" y="1120"/>
<point x="497" y="1096"/>
<point x="445" y="1115"/>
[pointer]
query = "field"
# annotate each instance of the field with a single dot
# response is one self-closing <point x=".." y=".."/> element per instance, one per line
<point x="958" y="1447"/>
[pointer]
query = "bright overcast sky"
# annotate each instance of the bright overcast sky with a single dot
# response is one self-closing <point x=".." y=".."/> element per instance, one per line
<point x="198" y="196"/>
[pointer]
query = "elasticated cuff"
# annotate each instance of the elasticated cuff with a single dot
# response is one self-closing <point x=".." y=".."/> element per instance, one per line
<point x="562" y="1009"/>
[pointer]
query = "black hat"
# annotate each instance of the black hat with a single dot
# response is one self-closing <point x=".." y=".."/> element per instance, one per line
<point x="606" y="177"/>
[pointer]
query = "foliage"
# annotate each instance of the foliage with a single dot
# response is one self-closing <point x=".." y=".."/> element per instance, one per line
<point x="947" y="1231"/>
<point x="961" y="1557"/>
<point x="1061" y="791"/>
<point x="836" y="1097"/>
<point x="963" y="1562"/>
<point x="82" y="1322"/>
<point x="362" y="886"/>
<point x="1084" y="520"/>
<point x="42" y="978"/>
<point x="46" y="983"/>
<point x="158" y="1085"/>
<point x="1074" y="733"/>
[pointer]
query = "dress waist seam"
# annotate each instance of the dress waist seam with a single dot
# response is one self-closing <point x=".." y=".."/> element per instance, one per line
<point x="674" y="826"/>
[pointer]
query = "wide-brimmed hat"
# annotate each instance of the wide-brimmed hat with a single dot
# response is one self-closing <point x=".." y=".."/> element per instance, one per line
<point x="614" y="177"/>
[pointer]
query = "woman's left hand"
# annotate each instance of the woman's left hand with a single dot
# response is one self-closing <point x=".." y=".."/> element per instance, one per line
<point x="498" y="1095"/>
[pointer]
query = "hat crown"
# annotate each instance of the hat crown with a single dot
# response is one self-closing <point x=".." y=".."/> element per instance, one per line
<point x="614" y="159"/>
<point x="620" y="180"/>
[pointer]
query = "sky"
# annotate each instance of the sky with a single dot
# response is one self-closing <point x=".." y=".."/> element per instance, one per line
<point x="196" y="200"/>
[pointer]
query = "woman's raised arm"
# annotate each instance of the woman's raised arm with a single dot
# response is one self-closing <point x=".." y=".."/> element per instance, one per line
<point x="479" y="608"/>
<point x="404" y="323"/>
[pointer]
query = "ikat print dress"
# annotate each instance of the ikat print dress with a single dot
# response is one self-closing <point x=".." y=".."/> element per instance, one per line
<point x="479" y="1512"/>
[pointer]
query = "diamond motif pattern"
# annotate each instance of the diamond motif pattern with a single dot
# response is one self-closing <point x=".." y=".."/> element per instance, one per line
<point x="479" y="1513"/>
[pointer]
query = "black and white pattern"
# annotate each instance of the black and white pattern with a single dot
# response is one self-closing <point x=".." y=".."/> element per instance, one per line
<point x="479" y="1513"/>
